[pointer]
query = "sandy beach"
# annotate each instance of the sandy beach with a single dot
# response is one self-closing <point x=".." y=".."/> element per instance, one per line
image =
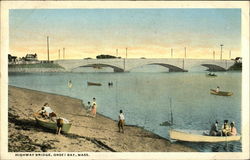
<point x="87" y="134"/>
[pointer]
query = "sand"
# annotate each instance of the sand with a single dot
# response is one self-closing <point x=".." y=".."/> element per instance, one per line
<point x="87" y="134"/>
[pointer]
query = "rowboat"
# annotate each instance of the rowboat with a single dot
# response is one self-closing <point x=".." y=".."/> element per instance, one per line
<point x="94" y="84"/>
<point x="200" y="136"/>
<point x="46" y="123"/>
<point x="211" y="75"/>
<point x="220" y="93"/>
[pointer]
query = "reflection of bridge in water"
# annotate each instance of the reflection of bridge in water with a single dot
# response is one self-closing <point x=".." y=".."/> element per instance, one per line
<point x="125" y="65"/>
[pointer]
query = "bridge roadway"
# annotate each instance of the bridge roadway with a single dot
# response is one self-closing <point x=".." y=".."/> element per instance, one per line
<point x="125" y="65"/>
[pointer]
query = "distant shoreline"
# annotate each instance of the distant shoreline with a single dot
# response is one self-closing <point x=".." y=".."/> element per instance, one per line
<point x="98" y="134"/>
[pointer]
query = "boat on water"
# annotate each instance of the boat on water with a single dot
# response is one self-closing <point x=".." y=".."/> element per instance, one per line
<point x="200" y="136"/>
<point x="211" y="75"/>
<point x="46" y="123"/>
<point x="220" y="93"/>
<point x="94" y="84"/>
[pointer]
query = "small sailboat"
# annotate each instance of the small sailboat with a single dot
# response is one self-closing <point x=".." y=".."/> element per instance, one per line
<point x="171" y="122"/>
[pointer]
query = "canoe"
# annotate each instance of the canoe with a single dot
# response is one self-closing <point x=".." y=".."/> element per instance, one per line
<point x="94" y="84"/>
<point x="200" y="136"/>
<point x="52" y="125"/>
<point x="220" y="93"/>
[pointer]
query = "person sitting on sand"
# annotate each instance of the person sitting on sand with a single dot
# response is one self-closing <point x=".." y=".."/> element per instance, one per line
<point x="121" y="121"/>
<point x="233" y="131"/>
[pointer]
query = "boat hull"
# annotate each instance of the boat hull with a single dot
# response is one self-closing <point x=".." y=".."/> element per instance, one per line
<point x="52" y="125"/>
<point x="220" y="93"/>
<point x="94" y="84"/>
<point x="198" y="136"/>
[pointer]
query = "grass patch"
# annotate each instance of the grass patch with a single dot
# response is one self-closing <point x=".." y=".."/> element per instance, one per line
<point x="39" y="65"/>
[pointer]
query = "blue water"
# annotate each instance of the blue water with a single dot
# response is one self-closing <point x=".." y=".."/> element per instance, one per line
<point x="144" y="98"/>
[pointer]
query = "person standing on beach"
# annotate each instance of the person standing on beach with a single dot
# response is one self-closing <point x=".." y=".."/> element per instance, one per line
<point x="93" y="111"/>
<point x="121" y="121"/>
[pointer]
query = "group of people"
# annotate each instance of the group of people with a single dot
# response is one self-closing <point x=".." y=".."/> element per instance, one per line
<point x="91" y="108"/>
<point x="226" y="129"/>
<point x="91" y="111"/>
<point x="47" y="113"/>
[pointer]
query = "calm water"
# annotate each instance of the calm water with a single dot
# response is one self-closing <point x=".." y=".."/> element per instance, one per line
<point x="144" y="98"/>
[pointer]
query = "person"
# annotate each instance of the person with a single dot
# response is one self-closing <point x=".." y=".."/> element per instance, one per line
<point x="121" y="121"/>
<point x="47" y="112"/>
<point x="88" y="106"/>
<point x="93" y="111"/>
<point x="218" y="89"/>
<point x="225" y="128"/>
<point x="214" y="131"/>
<point x="233" y="131"/>
<point x="59" y="122"/>
<point x="70" y="84"/>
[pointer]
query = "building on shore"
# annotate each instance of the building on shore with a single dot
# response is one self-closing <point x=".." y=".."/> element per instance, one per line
<point x="31" y="57"/>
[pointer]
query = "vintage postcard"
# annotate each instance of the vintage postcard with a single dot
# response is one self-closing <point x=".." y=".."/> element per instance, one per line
<point x="124" y="80"/>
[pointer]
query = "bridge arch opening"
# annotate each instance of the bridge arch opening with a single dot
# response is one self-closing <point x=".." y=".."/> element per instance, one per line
<point x="98" y="68"/>
<point x="214" y="68"/>
<point x="164" y="67"/>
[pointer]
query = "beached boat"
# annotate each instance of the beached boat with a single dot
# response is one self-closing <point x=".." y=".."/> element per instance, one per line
<point x="51" y="125"/>
<point x="200" y="136"/>
<point x="94" y="84"/>
<point x="220" y="93"/>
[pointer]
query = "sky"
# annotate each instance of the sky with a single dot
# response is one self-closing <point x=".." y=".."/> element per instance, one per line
<point x="149" y="33"/>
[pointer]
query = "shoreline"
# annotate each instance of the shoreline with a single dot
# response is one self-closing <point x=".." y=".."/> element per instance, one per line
<point x="87" y="134"/>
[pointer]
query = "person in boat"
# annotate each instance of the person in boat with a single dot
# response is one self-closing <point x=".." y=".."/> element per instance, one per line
<point x="59" y="122"/>
<point x="47" y="112"/>
<point x="233" y="131"/>
<point x="121" y="121"/>
<point x="218" y="89"/>
<point x="214" y="131"/>
<point x="225" y="128"/>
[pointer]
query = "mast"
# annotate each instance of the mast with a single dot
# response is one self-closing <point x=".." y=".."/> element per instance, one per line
<point x="48" y="47"/>
<point x="171" y="113"/>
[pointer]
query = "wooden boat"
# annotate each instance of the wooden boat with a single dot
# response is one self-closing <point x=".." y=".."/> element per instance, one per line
<point x="200" y="136"/>
<point x="94" y="84"/>
<point x="220" y="93"/>
<point x="50" y="124"/>
<point x="211" y="75"/>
